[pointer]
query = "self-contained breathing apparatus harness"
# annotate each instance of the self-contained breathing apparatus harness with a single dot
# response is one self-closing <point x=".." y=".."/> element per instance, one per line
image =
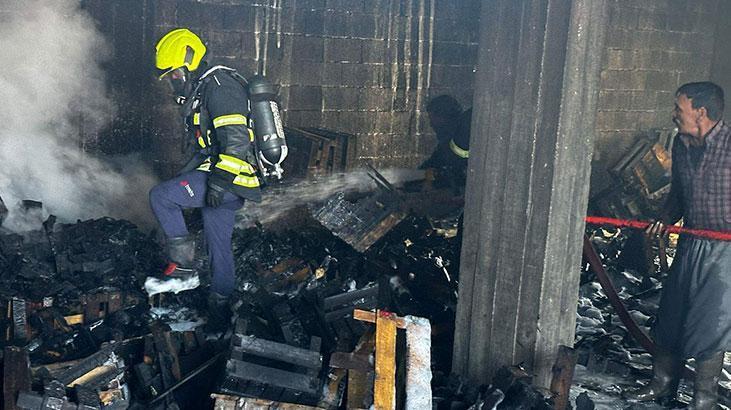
<point x="269" y="148"/>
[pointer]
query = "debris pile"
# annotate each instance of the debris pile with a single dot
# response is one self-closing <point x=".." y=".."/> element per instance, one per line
<point x="73" y="292"/>
<point x="610" y="360"/>
<point x="75" y="316"/>
<point x="602" y="339"/>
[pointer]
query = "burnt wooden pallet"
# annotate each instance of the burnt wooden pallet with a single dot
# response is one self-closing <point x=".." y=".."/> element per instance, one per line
<point x="341" y="306"/>
<point x="228" y="402"/>
<point x="274" y="371"/>
<point x="16" y="375"/>
<point x="336" y="313"/>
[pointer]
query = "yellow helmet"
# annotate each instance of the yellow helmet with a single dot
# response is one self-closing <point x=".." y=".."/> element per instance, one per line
<point x="178" y="48"/>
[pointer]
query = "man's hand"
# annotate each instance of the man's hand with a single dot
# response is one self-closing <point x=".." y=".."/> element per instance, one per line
<point x="656" y="229"/>
<point x="214" y="195"/>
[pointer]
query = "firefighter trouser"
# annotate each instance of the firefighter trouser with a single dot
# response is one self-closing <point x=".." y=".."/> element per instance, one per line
<point x="188" y="190"/>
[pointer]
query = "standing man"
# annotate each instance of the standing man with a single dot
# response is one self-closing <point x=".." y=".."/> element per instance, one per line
<point x="448" y="162"/>
<point x="221" y="174"/>
<point x="694" y="318"/>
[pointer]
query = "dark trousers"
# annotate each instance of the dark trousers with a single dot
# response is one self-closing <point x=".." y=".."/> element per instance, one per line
<point x="188" y="190"/>
<point x="694" y="316"/>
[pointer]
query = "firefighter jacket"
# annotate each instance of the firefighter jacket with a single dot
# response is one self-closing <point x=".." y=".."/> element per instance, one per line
<point x="452" y="152"/>
<point x="218" y="120"/>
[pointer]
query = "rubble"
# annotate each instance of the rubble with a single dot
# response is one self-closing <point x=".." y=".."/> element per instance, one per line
<point x="274" y="371"/>
<point x="606" y="349"/>
<point x="363" y="222"/>
<point x="72" y="297"/>
<point x="642" y="180"/>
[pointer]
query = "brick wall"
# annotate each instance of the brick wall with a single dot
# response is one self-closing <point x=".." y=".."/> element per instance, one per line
<point x="128" y="75"/>
<point x="721" y="69"/>
<point x="365" y="67"/>
<point x="368" y="66"/>
<point x="653" y="46"/>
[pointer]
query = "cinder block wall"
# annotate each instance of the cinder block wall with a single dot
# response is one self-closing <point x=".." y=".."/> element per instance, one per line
<point x="365" y="67"/>
<point x="368" y="66"/>
<point x="653" y="46"/>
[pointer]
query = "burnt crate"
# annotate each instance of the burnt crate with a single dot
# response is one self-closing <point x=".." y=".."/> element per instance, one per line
<point x="274" y="371"/>
<point x="317" y="151"/>
<point x="228" y="402"/>
<point x="360" y="224"/>
<point x="642" y="181"/>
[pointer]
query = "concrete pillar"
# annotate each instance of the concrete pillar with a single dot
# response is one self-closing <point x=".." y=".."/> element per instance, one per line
<point x="532" y="138"/>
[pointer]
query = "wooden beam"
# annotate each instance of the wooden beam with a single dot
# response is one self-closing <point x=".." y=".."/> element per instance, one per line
<point x="348" y="297"/>
<point x="563" y="374"/>
<point x="167" y="351"/>
<point x="274" y="377"/>
<point x="74" y="319"/>
<point x="370" y="317"/>
<point x="277" y="351"/>
<point x="227" y="402"/>
<point x="93" y="374"/>
<point x="360" y="383"/>
<point x="333" y="391"/>
<point x="384" y="391"/>
<point x="343" y="360"/>
<point x="16" y="375"/>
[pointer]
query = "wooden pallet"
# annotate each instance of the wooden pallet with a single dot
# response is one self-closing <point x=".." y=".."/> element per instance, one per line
<point x="418" y="372"/>
<point x="256" y="368"/>
<point x="228" y="402"/>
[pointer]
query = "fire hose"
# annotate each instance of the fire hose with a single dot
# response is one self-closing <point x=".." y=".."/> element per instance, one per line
<point x="625" y="223"/>
<point x="596" y="265"/>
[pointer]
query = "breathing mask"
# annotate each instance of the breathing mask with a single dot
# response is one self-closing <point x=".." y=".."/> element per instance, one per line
<point x="179" y="84"/>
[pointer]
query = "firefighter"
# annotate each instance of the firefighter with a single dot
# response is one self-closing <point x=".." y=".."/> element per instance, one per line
<point x="448" y="163"/>
<point x="222" y="173"/>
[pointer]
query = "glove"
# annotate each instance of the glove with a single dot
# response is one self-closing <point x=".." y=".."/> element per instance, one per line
<point x="214" y="195"/>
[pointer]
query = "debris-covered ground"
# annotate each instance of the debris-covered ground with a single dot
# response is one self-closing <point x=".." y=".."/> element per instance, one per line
<point x="74" y="311"/>
<point x="610" y="361"/>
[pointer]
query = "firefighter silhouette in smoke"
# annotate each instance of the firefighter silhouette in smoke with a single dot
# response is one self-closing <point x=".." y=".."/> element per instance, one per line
<point x="447" y="165"/>
<point x="218" y="105"/>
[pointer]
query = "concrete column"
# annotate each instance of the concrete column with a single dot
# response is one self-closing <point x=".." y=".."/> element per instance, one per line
<point x="532" y="138"/>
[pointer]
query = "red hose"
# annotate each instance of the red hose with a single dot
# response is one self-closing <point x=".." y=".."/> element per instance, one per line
<point x="626" y="223"/>
<point x="634" y="330"/>
<point x="596" y="265"/>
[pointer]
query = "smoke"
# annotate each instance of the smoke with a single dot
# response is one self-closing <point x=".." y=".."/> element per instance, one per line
<point x="50" y="81"/>
<point x="277" y="201"/>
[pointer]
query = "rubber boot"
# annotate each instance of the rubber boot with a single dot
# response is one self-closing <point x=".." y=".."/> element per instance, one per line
<point x="705" y="388"/>
<point x="181" y="253"/>
<point x="219" y="313"/>
<point x="666" y="372"/>
<point x="180" y="274"/>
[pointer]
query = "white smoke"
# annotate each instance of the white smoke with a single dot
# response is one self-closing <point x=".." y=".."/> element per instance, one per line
<point x="277" y="201"/>
<point x="49" y="80"/>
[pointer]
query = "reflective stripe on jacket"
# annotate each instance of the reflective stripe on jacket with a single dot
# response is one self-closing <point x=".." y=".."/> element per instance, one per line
<point x="221" y="130"/>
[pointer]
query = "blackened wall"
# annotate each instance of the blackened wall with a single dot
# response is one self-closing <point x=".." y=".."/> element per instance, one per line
<point x="128" y="75"/>
<point x="653" y="46"/>
<point x="721" y="68"/>
<point x="365" y="67"/>
<point x="368" y="66"/>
